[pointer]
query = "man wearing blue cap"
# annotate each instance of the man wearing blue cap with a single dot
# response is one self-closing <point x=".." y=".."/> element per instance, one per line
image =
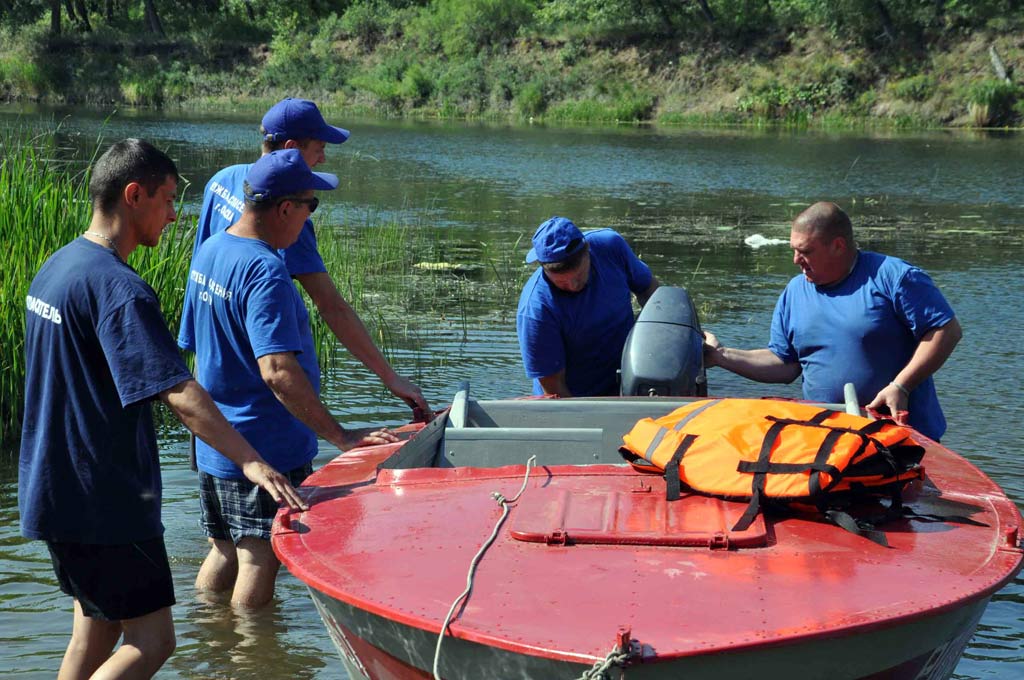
<point x="255" y="355"/>
<point x="575" y="311"/>
<point x="298" y="124"/>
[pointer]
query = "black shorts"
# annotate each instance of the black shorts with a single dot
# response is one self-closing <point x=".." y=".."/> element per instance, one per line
<point x="115" y="582"/>
<point x="232" y="509"/>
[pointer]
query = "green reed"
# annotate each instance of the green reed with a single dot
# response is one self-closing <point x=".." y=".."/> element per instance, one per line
<point x="367" y="264"/>
<point x="44" y="206"/>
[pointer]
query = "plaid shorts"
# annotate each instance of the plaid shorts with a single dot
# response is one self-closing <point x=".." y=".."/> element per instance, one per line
<point x="231" y="509"/>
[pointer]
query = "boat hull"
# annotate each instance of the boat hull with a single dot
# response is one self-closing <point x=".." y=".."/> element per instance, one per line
<point x="375" y="648"/>
<point x="594" y="558"/>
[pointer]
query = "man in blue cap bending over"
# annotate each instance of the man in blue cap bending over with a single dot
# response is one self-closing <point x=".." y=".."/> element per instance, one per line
<point x="575" y="311"/>
<point x="255" y="356"/>
<point x="298" y="124"/>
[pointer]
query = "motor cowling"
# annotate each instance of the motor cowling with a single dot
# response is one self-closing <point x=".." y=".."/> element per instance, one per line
<point x="664" y="353"/>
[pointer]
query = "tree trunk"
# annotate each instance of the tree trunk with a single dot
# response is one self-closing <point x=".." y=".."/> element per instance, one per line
<point x="888" y="29"/>
<point x="153" y="19"/>
<point x="69" y="7"/>
<point x="997" y="65"/>
<point x="55" y="17"/>
<point x="108" y="11"/>
<point x="706" y="11"/>
<point x="83" y="15"/>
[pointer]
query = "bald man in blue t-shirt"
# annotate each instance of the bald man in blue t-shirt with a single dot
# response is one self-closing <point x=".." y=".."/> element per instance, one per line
<point x="853" y="316"/>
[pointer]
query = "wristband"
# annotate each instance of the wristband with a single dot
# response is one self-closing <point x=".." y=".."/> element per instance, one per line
<point x="901" y="388"/>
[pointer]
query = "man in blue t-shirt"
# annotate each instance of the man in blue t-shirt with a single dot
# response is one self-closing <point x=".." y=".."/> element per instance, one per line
<point x="97" y="353"/>
<point x="255" y="354"/>
<point x="575" y="311"/>
<point x="853" y="316"/>
<point x="298" y="124"/>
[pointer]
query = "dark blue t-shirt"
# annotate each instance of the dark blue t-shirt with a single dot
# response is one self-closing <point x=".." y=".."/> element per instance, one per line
<point x="97" y="350"/>
<point x="245" y="306"/>
<point x="223" y="203"/>
<point x="862" y="330"/>
<point x="583" y="332"/>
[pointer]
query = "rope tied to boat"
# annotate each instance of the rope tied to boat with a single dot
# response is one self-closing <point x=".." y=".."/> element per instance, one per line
<point x="599" y="671"/>
<point x="504" y="503"/>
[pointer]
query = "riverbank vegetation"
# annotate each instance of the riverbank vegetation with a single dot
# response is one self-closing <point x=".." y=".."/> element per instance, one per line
<point x="819" y="62"/>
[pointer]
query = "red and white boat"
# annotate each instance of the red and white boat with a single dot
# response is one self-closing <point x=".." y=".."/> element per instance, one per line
<point x="592" y="560"/>
<point x="594" y="574"/>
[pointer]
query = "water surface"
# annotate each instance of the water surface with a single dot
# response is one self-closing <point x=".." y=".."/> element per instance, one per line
<point x="686" y="200"/>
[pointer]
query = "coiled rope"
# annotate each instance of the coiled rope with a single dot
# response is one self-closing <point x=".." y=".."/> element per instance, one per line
<point x="504" y="502"/>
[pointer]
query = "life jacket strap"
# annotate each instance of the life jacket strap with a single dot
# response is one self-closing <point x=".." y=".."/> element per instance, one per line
<point x="673" y="484"/>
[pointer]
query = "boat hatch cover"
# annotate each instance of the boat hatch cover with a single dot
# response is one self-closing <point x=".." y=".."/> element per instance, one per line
<point x="640" y="516"/>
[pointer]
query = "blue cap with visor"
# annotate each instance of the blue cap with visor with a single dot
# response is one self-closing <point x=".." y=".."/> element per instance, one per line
<point x="284" y="173"/>
<point x="555" y="240"/>
<point x="299" y="119"/>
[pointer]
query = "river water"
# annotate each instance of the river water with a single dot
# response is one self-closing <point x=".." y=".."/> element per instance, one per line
<point x="687" y="201"/>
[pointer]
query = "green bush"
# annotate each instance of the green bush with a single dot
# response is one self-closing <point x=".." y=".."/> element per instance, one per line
<point x="915" y="88"/>
<point x="993" y="102"/>
<point x="20" y="76"/>
<point x="463" y="27"/>
<point x="417" y="85"/>
<point x="366" y="21"/>
<point x="142" y="82"/>
<point x="302" y="59"/>
<point x="633" y="106"/>
<point x="530" y="100"/>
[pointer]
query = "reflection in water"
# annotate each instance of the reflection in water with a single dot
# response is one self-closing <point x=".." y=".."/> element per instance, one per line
<point x="687" y="200"/>
<point x="225" y="642"/>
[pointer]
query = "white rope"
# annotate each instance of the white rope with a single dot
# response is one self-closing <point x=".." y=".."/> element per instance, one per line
<point x="476" y="560"/>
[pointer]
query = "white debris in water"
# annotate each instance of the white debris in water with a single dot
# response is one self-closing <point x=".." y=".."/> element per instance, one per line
<point x="756" y="241"/>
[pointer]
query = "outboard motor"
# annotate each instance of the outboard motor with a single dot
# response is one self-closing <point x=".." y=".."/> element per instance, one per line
<point x="664" y="353"/>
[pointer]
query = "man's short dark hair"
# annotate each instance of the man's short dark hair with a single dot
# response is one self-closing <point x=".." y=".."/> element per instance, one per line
<point x="568" y="264"/>
<point x="127" y="161"/>
<point x="269" y="146"/>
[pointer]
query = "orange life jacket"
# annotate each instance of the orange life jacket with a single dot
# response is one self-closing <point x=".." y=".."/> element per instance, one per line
<point x="765" y="449"/>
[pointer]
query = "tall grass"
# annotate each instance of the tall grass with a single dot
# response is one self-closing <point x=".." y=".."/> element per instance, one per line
<point x="44" y="206"/>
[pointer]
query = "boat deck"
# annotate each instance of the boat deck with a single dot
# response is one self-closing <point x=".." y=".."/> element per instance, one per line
<point x="592" y="548"/>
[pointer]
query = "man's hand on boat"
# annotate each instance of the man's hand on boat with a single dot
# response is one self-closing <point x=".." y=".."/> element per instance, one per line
<point x="273" y="482"/>
<point x="892" y="402"/>
<point x="410" y="393"/>
<point x="367" y="436"/>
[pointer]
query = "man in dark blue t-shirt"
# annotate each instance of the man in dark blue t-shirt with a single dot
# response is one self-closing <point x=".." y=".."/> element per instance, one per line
<point x="97" y="352"/>
<point x="254" y="353"/>
<point x="576" y="310"/>
<point x="853" y="316"/>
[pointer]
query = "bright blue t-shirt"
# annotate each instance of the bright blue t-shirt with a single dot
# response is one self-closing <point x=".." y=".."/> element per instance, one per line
<point x="223" y="203"/>
<point x="583" y="332"/>
<point x="245" y="306"/>
<point x="862" y="330"/>
<point x="97" y="350"/>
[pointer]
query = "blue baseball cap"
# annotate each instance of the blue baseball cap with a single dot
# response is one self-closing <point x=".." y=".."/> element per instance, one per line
<point x="299" y="119"/>
<point x="555" y="240"/>
<point x="284" y="173"/>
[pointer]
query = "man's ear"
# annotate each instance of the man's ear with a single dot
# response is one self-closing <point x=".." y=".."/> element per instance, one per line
<point x="132" y="193"/>
<point x="839" y="246"/>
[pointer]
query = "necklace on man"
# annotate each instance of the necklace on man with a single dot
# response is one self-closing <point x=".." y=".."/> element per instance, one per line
<point x="105" y="238"/>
